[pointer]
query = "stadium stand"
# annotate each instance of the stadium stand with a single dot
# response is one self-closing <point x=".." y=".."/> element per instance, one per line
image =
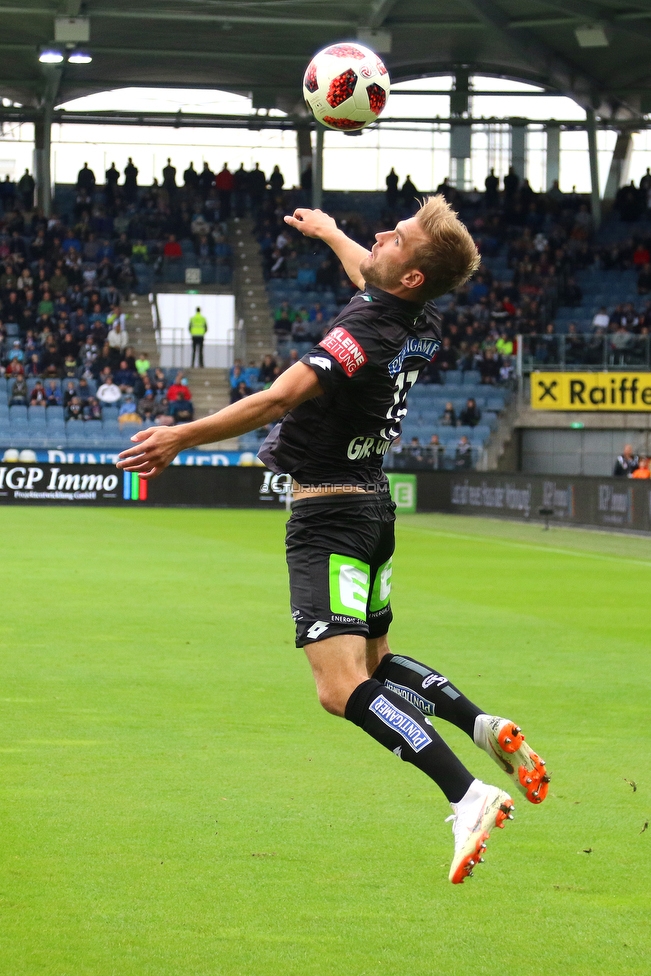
<point x="545" y="275"/>
<point x="64" y="317"/>
<point x="569" y="296"/>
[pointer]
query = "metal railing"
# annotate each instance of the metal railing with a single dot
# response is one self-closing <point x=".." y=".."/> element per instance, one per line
<point x="175" y="349"/>
<point x="202" y="271"/>
<point x="586" y="352"/>
<point x="428" y="458"/>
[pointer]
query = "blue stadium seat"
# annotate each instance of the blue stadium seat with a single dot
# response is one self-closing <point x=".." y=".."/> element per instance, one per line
<point x="250" y="442"/>
<point x="421" y="391"/>
<point x="495" y="402"/>
<point x="448" y="434"/>
<point x="17" y="415"/>
<point x="54" y="414"/>
<point x="36" y="416"/>
<point x="471" y="377"/>
<point x="79" y="433"/>
<point x="38" y="441"/>
<point x="127" y="430"/>
<point x="453" y="377"/>
<point x="430" y="414"/>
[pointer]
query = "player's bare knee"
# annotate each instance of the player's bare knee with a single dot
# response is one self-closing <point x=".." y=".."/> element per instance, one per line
<point x="332" y="700"/>
<point x="334" y="695"/>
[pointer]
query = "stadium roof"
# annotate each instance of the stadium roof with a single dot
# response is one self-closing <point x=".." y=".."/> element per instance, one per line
<point x="597" y="53"/>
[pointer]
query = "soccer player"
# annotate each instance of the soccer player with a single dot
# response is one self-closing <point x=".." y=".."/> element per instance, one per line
<point x="342" y="406"/>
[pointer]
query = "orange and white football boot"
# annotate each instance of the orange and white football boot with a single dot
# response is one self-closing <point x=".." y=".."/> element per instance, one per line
<point x="504" y="742"/>
<point x="474" y="816"/>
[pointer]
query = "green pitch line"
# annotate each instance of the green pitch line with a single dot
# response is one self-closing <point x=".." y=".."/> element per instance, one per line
<point x="175" y="803"/>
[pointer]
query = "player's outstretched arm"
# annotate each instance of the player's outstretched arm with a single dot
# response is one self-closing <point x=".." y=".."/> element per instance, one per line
<point x="157" y="447"/>
<point x="316" y="223"/>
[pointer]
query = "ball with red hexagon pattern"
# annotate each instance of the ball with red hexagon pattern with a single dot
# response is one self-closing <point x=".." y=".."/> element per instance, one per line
<point x="346" y="86"/>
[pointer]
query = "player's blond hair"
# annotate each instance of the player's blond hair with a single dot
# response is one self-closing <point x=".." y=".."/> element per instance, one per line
<point x="451" y="256"/>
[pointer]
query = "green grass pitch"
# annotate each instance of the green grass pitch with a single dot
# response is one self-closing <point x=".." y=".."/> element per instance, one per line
<point x="175" y="803"/>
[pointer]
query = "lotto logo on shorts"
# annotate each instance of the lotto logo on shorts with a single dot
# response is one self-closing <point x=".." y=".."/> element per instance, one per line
<point x="345" y="350"/>
<point x="411" y="732"/>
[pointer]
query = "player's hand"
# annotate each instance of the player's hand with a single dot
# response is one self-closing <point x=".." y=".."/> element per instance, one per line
<point x="312" y="223"/>
<point x="155" y="448"/>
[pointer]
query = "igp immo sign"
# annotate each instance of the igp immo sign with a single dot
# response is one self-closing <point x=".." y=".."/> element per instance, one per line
<point x="48" y="483"/>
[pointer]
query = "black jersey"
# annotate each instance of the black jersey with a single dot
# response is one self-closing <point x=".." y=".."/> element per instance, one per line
<point x="366" y="364"/>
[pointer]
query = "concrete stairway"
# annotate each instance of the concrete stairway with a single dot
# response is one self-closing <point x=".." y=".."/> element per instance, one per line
<point x="500" y="452"/>
<point x="210" y="387"/>
<point x="210" y="390"/>
<point x="251" y="302"/>
<point x="140" y="327"/>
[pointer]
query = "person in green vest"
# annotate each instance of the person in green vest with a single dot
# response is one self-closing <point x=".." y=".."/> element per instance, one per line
<point x="504" y="345"/>
<point x="198" y="329"/>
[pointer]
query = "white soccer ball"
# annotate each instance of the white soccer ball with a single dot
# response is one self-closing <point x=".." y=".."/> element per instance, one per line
<point x="346" y="86"/>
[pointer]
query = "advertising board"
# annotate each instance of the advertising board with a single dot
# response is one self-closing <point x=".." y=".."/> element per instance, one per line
<point x="629" y="391"/>
<point x="608" y="502"/>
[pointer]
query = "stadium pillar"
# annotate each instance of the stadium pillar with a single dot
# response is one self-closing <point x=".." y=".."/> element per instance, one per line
<point x="461" y="132"/>
<point x="553" y="153"/>
<point x="42" y="160"/>
<point x="317" y="169"/>
<point x="595" y="199"/>
<point x="43" y="138"/>
<point x="303" y="149"/>
<point x="460" y="139"/>
<point x="618" y="172"/>
<point x="519" y="147"/>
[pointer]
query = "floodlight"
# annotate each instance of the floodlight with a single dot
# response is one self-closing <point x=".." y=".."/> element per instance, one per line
<point x="50" y="56"/>
<point x="80" y="57"/>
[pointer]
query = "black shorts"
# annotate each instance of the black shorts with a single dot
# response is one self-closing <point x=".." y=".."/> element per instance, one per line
<point x="339" y="553"/>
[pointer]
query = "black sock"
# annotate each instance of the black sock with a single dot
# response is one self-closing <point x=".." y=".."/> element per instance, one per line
<point x="401" y="728"/>
<point x="429" y="691"/>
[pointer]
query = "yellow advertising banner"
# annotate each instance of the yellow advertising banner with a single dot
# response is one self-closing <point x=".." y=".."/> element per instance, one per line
<point x="591" y="391"/>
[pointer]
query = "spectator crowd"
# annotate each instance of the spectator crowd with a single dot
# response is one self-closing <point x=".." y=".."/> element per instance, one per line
<point x="542" y="240"/>
<point x="631" y="465"/>
<point x="133" y="393"/>
<point x="65" y="280"/>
